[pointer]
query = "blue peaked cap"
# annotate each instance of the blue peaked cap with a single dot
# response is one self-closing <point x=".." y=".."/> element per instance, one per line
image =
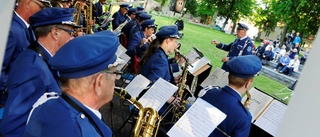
<point x="148" y="23"/>
<point x="50" y="16"/>
<point x="144" y="16"/>
<point x="244" y="66"/>
<point x="139" y="8"/>
<point x="168" y="32"/>
<point x="243" y="26"/>
<point x="132" y="10"/>
<point x="86" y="55"/>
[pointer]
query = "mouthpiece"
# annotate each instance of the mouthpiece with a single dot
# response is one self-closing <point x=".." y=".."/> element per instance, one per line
<point x="122" y="93"/>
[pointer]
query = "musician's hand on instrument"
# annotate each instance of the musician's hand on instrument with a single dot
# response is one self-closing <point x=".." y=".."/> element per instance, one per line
<point x="181" y="61"/>
<point x="225" y="59"/>
<point x="215" y="42"/>
<point x="143" y="41"/>
<point x="177" y="79"/>
<point x="174" y="101"/>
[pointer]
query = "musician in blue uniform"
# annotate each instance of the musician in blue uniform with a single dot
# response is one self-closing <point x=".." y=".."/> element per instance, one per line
<point x="87" y="81"/>
<point x="19" y="38"/>
<point x="241" y="46"/>
<point x="120" y="16"/>
<point x="140" y="8"/>
<point x="140" y="17"/>
<point x="99" y="7"/>
<point x="241" y="70"/>
<point x="30" y="75"/>
<point x="140" y="40"/>
<point x="137" y="27"/>
<point x="155" y="64"/>
<point x="131" y="14"/>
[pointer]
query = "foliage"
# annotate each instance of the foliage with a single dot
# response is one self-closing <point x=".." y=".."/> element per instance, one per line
<point x="162" y="2"/>
<point x="300" y="15"/>
<point x="191" y="6"/>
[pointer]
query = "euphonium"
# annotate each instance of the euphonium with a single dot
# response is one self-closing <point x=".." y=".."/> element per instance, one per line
<point x="77" y="13"/>
<point x="148" y="119"/>
<point x="181" y="89"/>
<point x="88" y="17"/>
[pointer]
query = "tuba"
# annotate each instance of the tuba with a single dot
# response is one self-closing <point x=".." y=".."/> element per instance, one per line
<point x="88" y="9"/>
<point x="148" y="119"/>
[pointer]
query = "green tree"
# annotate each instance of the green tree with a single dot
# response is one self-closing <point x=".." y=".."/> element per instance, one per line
<point x="191" y="7"/>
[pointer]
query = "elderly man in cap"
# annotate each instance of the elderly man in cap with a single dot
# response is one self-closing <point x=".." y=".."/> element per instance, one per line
<point x="20" y="37"/>
<point x="31" y="75"/>
<point x="120" y="16"/>
<point x="241" y="70"/>
<point x="61" y="3"/>
<point x="241" y="46"/>
<point x="87" y="82"/>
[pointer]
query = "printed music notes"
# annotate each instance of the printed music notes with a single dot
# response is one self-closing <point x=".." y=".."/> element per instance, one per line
<point x="218" y="77"/>
<point x="137" y="85"/>
<point x="198" y="121"/>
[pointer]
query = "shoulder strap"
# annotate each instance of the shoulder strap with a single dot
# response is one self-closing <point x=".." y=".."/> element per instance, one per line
<point x="35" y="46"/>
<point x="244" y="46"/>
<point x="78" y="108"/>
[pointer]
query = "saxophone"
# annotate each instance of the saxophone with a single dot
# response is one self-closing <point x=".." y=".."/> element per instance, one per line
<point x="182" y="87"/>
<point x="148" y="119"/>
<point x="247" y="102"/>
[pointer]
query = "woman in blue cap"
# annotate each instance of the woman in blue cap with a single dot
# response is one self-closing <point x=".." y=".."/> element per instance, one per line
<point x="155" y="63"/>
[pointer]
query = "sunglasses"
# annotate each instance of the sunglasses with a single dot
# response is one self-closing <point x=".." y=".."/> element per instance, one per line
<point x="70" y="31"/>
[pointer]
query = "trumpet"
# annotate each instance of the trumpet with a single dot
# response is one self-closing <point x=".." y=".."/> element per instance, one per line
<point x="147" y="122"/>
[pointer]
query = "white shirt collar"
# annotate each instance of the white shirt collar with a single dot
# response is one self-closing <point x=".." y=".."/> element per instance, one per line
<point x="243" y="37"/>
<point x="96" y="112"/>
<point x="45" y="49"/>
<point x="27" y="24"/>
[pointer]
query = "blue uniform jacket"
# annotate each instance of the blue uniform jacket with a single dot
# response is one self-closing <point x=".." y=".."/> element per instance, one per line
<point x="133" y="47"/>
<point x="18" y="40"/>
<point x="118" y="18"/>
<point x="29" y="79"/>
<point x="135" y="29"/>
<point x="238" y="120"/>
<point x="127" y="28"/>
<point x="99" y="9"/>
<point x="56" y="118"/>
<point x="235" y="47"/>
<point x="157" y="67"/>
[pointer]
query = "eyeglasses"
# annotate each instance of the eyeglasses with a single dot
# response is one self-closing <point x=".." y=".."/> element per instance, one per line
<point x="117" y="72"/>
<point x="45" y="4"/>
<point x="71" y="32"/>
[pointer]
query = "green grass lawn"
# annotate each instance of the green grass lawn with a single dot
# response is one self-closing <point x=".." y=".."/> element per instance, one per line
<point x="200" y="37"/>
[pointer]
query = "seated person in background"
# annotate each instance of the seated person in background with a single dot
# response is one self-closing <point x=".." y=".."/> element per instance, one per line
<point x="87" y="83"/>
<point x="284" y="61"/>
<point x="268" y="54"/>
<point x="304" y="56"/>
<point x="296" y="46"/>
<point x="293" y="52"/>
<point x="179" y="23"/>
<point x="293" y="65"/>
<point x="283" y="50"/>
<point x="276" y="52"/>
<point x="259" y="50"/>
<point x="242" y="71"/>
<point x="276" y="42"/>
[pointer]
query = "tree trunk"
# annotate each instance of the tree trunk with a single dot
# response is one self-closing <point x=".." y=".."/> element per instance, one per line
<point x="283" y="36"/>
<point x="234" y="26"/>
<point x="225" y="23"/>
<point x="259" y="33"/>
<point x="214" y="17"/>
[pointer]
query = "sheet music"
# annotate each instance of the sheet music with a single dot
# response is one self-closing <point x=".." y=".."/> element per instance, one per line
<point x="198" y="64"/>
<point x="137" y="85"/>
<point x="216" y="78"/>
<point x="271" y="117"/>
<point x="192" y="56"/>
<point x="158" y="94"/>
<point x="258" y="102"/>
<point x="121" y="54"/>
<point x="198" y="121"/>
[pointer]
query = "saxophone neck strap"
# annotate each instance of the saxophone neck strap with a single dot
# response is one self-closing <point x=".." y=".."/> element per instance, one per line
<point x="78" y="108"/>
